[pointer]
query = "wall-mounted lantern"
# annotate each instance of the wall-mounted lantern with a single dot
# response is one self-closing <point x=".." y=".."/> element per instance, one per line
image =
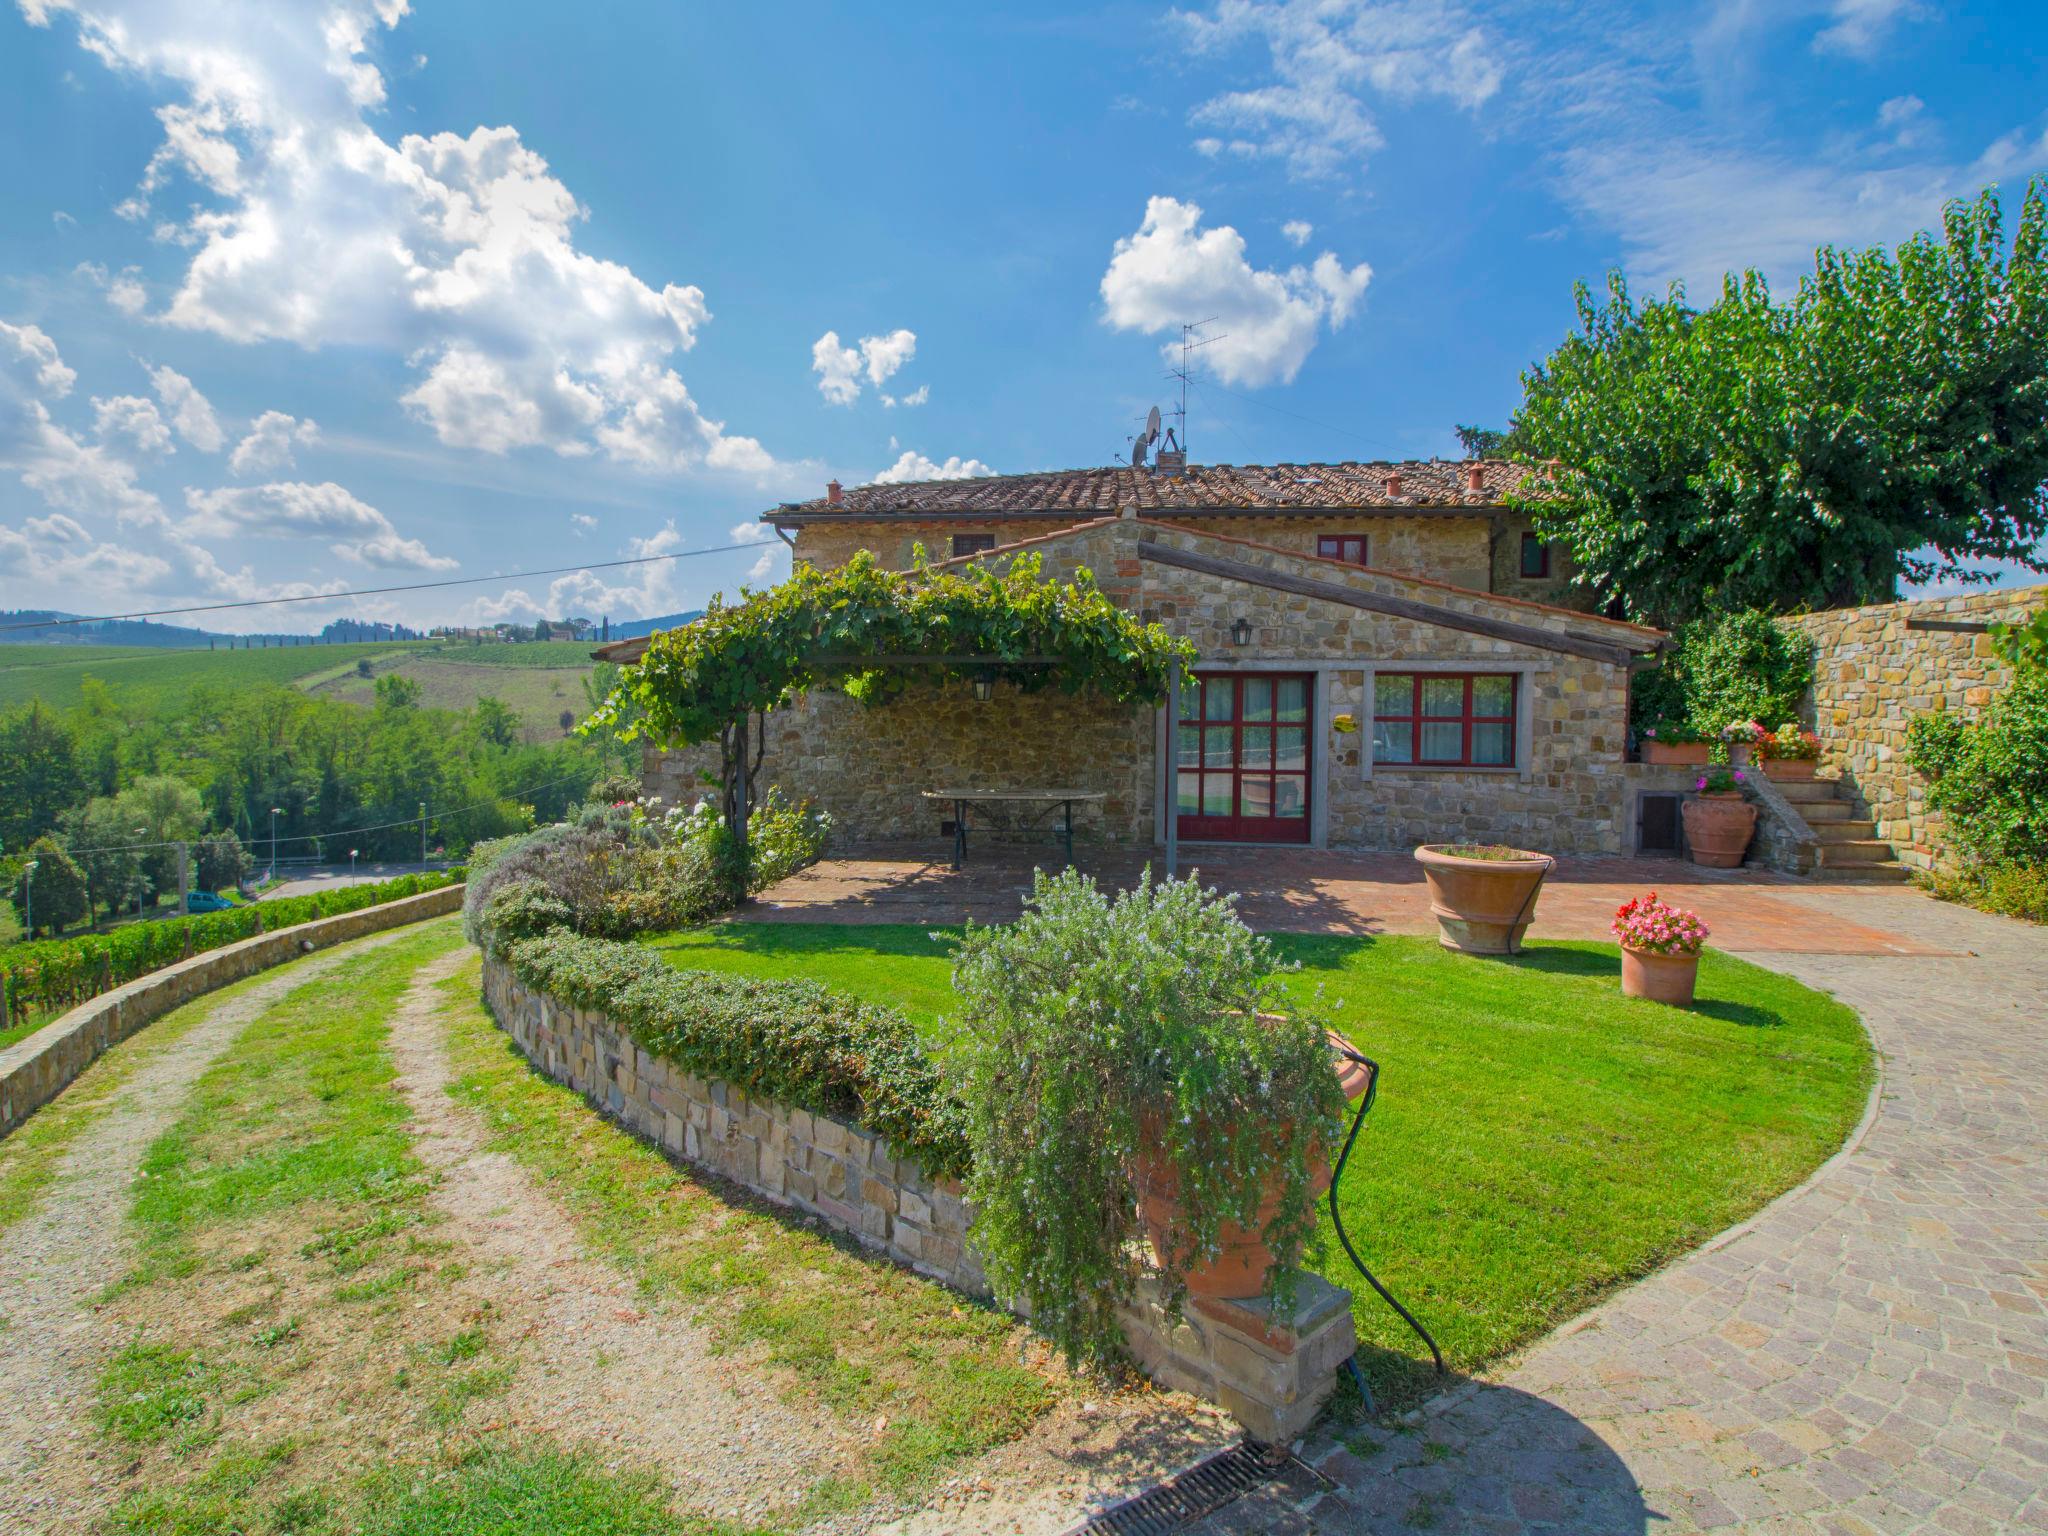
<point x="1241" y="632"/>
<point x="984" y="688"/>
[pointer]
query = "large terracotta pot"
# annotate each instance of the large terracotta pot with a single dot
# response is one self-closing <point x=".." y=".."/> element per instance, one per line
<point x="1659" y="978"/>
<point x="1482" y="906"/>
<point x="1242" y="1260"/>
<point x="1790" y="770"/>
<point x="1676" y="754"/>
<point x="1718" y="828"/>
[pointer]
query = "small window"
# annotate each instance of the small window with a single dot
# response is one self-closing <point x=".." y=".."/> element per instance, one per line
<point x="1444" y="719"/>
<point x="1349" y="547"/>
<point x="1535" y="557"/>
<point x="972" y="543"/>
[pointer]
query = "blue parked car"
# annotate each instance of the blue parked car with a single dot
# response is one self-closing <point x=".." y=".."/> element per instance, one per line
<point x="207" y="901"/>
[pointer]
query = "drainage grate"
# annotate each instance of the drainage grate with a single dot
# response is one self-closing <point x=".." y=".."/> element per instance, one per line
<point x="1204" y="1488"/>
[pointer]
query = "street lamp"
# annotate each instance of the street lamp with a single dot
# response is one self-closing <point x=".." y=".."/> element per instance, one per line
<point x="28" y="895"/>
<point x="273" y="841"/>
<point x="140" y="834"/>
<point x="351" y="863"/>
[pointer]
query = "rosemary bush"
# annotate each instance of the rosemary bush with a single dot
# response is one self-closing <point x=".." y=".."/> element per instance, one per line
<point x="1095" y="1027"/>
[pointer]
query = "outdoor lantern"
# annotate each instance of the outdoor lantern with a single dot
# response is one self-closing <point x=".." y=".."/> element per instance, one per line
<point x="984" y="688"/>
<point x="1241" y="632"/>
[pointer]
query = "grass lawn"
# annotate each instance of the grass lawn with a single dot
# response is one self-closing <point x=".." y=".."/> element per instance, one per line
<point x="1538" y="1138"/>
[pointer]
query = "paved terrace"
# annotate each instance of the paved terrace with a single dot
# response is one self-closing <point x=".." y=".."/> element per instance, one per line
<point x="1301" y="890"/>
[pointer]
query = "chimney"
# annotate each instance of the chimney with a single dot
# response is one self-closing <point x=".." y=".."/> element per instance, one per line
<point x="1475" y="478"/>
<point x="1394" y="483"/>
<point x="835" y="494"/>
<point x="1170" y="461"/>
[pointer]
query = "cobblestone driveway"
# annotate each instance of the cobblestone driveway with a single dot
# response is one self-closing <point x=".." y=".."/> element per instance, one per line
<point x="1869" y="1354"/>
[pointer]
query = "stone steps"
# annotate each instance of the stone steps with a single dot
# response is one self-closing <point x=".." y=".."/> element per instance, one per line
<point x="1850" y="849"/>
<point x="1835" y="855"/>
<point x="1843" y="829"/>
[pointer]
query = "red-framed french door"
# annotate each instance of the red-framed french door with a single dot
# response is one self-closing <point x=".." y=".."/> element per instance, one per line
<point x="1241" y="755"/>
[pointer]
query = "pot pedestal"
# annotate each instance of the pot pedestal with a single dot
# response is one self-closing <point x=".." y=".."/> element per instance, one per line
<point x="1659" y="978"/>
<point x="1273" y="1371"/>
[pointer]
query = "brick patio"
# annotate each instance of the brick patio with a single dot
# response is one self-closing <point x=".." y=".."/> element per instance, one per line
<point x="1302" y="890"/>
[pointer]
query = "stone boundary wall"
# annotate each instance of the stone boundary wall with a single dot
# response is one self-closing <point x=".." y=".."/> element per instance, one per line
<point x="35" y="1070"/>
<point x="1273" y="1374"/>
<point x="1872" y="675"/>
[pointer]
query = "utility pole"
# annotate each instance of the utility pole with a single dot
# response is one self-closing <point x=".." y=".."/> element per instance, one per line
<point x="184" y="877"/>
<point x="28" y="896"/>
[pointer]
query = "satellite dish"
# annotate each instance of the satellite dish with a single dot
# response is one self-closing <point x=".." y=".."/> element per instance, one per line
<point x="1152" y="426"/>
<point x="1138" y="452"/>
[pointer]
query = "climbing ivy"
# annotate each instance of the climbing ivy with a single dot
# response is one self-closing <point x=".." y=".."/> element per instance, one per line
<point x="860" y="628"/>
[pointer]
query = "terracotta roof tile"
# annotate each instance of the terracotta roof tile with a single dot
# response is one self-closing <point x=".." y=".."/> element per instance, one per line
<point x="1253" y="487"/>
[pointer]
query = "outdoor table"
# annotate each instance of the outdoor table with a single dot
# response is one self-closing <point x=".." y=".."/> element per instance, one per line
<point x="1066" y="799"/>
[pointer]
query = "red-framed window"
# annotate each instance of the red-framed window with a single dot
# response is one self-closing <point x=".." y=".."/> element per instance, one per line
<point x="1242" y="756"/>
<point x="1461" y="719"/>
<point x="972" y="543"/>
<point x="1351" y="548"/>
<point x="1535" y="557"/>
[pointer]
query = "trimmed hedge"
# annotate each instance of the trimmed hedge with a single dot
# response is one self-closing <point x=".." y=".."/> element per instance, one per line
<point x="791" y="1041"/>
<point x="53" y="974"/>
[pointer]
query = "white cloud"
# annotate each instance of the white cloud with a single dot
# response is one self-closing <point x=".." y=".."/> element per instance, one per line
<point x="124" y="288"/>
<point x="295" y="509"/>
<point x="457" y="251"/>
<point x="750" y="532"/>
<point x="912" y="465"/>
<point x="581" y="523"/>
<point x="839" y="367"/>
<point x="134" y="418"/>
<point x="916" y="397"/>
<point x="67" y="473"/>
<point x="764" y="567"/>
<point x="642" y="592"/>
<point x="1323" y="57"/>
<point x="191" y="412"/>
<point x="1298" y="232"/>
<point x="55" y="554"/>
<point x="1860" y="28"/>
<point x="63" y="220"/>
<point x="268" y="446"/>
<point x="1171" y="271"/>
<point x="28" y="344"/>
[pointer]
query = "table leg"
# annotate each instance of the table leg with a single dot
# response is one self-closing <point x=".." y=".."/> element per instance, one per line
<point x="1070" y="831"/>
<point x="959" y="833"/>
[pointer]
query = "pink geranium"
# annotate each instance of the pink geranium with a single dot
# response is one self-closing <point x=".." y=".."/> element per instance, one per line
<point x="1658" y="927"/>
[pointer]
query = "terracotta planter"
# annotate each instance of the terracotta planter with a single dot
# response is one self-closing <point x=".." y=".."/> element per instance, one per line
<point x="1482" y="906"/>
<point x="1676" y="754"/>
<point x="1739" y="754"/>
<point x="1659" y="978"/>
<point x="1790" y="770"/>
<point x="1242" y="1260"/>
<point x="1718" y="828"/>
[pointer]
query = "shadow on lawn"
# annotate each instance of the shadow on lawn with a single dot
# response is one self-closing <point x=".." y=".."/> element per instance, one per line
<point x="1605" y="961"/>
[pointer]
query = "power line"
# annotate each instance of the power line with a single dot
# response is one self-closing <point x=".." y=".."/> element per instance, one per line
<point x="419" y="586"/>
<point x="314" y="837"/>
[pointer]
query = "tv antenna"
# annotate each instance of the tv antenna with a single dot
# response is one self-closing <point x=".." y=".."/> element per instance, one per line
<point x="1189" y="346"/>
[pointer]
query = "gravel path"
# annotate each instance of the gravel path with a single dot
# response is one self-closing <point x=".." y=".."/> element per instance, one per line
<point x="56" y="1260"/>
<point x="638" y="1381"/>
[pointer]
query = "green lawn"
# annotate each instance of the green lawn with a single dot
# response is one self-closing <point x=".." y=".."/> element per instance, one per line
<point x="1538" y="1138"/>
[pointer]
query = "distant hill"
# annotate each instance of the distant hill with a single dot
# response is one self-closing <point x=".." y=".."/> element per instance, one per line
<point x="633" y="629"/>
<point x="50" y="626"/>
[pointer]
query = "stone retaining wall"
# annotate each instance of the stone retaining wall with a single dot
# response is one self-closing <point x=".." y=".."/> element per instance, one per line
<point x="1872" y="675"/>
<point x="35" y="1070"/>
<point x="1273" y="1373"/>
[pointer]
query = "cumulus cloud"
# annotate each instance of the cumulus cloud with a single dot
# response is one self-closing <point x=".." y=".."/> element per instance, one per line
<point x="458" y="251"/>
<point x="1172" y="270"/>
<point x="751" y="531"/>
<point x="1323" y="57"/>
<point x="268" y="446"/>
<point x="581" y="523"/>
<point x="1860" y="28"/>
<point x="839" y="367"/>
<point x="295" y="509"/>
<point x="1298" y="232"/>
<point x="66" y="472"/>
<point x="191" y="412"/>
<point x="641" y="592"/>
<point x="28" y="345"/>
<point x="912" y="465"/>
<point x="916" y="397"/>
<point x="133" y="418"/>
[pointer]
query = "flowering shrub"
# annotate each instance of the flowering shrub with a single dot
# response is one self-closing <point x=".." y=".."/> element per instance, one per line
<point x="1100" y="1027"/>
<point x="1744" y="733"/>
<point x="1673" y="733"/>
<point x="1789" y="743"/>
<point x="1721" y="780"/>
<point x="1658" y="927"/>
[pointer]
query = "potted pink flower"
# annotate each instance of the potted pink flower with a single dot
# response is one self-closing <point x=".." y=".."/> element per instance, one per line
<point x="1660" y="950"/>
<point x="1673" y="743"/>
<point x="1790" y="755"/>
<point x="1741" y="737"/>
<point x="1719" y="820"/>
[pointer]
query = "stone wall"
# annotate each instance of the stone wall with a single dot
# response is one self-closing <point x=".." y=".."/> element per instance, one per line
<point x="1273" y="1372"/>
<point x="1873" y="675"/>
<point x="35" y="1070"/>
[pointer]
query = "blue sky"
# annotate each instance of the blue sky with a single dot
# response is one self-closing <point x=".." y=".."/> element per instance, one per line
<point x="310" y="297"/>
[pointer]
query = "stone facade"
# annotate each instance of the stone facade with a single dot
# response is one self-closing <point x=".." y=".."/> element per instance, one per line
<point x="1273" y="1373"/>
<point x="1873" y="675"/>
<point x="1567" y="790"/>
<point x="35" y="1070"/>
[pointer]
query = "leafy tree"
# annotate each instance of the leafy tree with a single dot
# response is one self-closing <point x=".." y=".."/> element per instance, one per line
<point x="39" y="773"/>
<point x="166" y="810"/>
<point x="56" y="895"/>
<point x="104" y="843"/>
<point x="219" y="861"/>
<point x="1890" y="423"/>
<point x="397" y="692"/>
<point x="2023" y="646"/>
<point x="496" y="722"/>
<point x="717" y="679"/>
<point x="1484" y="442"/>
<point x="1989" y="777"/>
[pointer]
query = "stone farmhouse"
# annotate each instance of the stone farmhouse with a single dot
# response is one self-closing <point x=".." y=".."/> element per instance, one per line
<point x="1386" y="658"/>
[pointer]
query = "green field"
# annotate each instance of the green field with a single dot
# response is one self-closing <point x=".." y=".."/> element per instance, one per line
<point x="536" y="681"/>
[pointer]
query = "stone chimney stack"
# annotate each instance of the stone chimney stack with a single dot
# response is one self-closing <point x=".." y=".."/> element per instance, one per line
<point x="835" y="494"/>
<point x="1475" y="478"/>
